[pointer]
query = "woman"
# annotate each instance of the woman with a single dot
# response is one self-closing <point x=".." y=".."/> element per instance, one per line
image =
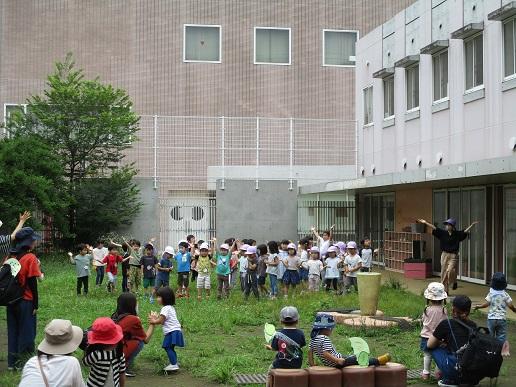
<point x="449" y="336"/>
<point x="21" y="316"/>
<point x="135" y="337"/>
<point x="54" y="366"/>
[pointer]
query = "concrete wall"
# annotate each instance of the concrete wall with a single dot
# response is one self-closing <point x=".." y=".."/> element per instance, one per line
<point x="269" y="213"/>
<point x="468" y="126"/>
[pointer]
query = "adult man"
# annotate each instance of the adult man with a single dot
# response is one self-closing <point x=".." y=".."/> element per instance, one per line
<point x="449" y="239"/>
<point x="5" y="240"/>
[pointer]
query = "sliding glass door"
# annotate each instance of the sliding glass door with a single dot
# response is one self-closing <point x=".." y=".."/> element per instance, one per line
<point x="377" y="216"/>
<point x="510" y="235"/>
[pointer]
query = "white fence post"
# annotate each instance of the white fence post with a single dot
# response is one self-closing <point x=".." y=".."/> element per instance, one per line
<point x="155" y="148"/>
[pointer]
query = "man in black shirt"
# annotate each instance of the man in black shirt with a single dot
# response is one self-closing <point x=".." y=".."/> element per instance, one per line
<point x="449" y="239"/>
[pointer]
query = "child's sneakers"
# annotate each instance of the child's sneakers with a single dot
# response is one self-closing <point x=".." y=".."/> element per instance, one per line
<point x="384" y="359"/>
<point x="171" y="368"/>
<point x="425" y="376"/>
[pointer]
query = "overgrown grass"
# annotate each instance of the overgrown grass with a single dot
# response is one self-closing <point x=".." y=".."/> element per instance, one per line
<point x="224" y="337"/>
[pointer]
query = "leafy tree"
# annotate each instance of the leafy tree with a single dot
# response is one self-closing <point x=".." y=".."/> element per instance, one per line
<point x="88" y="124"/>
<point x="31" y="178"/>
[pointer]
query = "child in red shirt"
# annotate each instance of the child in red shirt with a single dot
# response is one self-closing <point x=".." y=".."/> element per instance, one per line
<point x="111" y="261"/>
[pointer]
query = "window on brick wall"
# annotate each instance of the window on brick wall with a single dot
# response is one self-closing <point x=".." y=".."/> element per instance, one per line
<point x="509" y="48"/>
<point x="202" y="43"/>
<point x="339" y="47"/>
<point x="440" y="75"/>
<point x="368" y="105"/>
<point x="473" y="58"/>
<point x="388" y="97"/>
<point x="412" y="78"/>
<point x="272" y="46"/>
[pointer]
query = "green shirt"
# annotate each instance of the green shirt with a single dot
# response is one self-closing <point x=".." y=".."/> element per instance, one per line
<point x="82" y="265"/>
<point x="204" y="265"/>
<point x="135" y="258"/>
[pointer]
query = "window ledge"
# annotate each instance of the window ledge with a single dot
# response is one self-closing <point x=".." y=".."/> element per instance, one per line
<point x="509" y="84"/>
<point x="474" y="94"/>
<point x="412" y="114"/>
<point x="440" y="105"/>
<point x="369" y="125"/>
<point x="389" y="121"/>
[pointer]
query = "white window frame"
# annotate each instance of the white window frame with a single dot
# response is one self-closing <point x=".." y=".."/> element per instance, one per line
<point x="371" y="118"/>
<point x="481" y="86"/>
<point x="289" y="46"/>
<point x="24" y="105"/>
<point x="393" y="97"/>
<point x="184" y="43"/>
<point x="324" y="45"/>
<point x="415" y="108"/>
<point x="513" y="75"/>
<point x="447" y="98"/>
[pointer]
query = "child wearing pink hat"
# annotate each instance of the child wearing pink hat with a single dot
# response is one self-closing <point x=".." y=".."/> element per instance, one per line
<point x="104" y="354"/>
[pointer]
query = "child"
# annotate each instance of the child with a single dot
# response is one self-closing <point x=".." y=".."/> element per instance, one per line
<point x="282" y="254"/>
<point x="315" y="267"/>
<point x="288" y="342"/>
<point x="242" y="266"/>
<point x="195" y="256"/>
<point x="183" y="260"/>
<point x="324" y="240"/>
<point x="204" y="266"/>
<point x="352" y="264"/>
<point x="135" y="274"/>
<point x="125" y="267"/>
<point x="233" y="265"/>
<point x="272" y="267"/>
<point x="99" y="253"/>
<point x="104" y="354"/>
<point x="148" y="266"/>
<point x="292" y="263"/>
<point x="434" y="313"/>
<point x="111" y="262"/>
<point x="164" y="267"/>
<point x="366" y="253"/>
<point x="262" y="268"/>
<point x="498" y="300"/>
<point x="223" y="257"/>
<point x="304" y="246"/>
<point x="171" y="326"/>
<point x="332" y="269"/>
<point x="322" y="347"/>
<point x="82" y="267"/>
<point x="251" y="282"/>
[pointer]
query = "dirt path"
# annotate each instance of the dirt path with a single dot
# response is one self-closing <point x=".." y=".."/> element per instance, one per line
<point x="180" y="379"/>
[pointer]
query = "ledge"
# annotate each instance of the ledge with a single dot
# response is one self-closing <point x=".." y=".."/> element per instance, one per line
<point x="435" y="46"/>
<point x="509" y="84"/>
<point x="468" y="30"/>
<point x="384" y="73"/>
<point x="438" y="106"/>
<point x="504" y="12"/>
<point x="407" y="61"/>
<point x="369" y="125"/>
<point x="474" y="95"/>
<point x="389" y="121"/>
<point x="412" y="115"/>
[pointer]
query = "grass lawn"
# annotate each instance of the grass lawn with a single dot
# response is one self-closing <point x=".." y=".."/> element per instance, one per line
<point x="222" y="337"/>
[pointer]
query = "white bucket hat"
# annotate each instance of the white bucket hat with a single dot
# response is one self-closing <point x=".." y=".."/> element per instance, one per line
<point x="61" y="338"/>
<point x="435" y="292"/>
<point x="169" y="250"/>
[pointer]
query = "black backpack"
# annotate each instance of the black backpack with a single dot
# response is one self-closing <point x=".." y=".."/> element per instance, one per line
<point x="480" y="358"/>
<point x="10" y="290"/>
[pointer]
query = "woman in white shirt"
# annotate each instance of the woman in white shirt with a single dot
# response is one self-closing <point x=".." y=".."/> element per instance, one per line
<point x="55" y="366"/>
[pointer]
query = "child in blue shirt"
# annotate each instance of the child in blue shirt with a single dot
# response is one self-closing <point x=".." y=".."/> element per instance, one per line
<point x="164" y="268"/>
<point x="183" y="260"/>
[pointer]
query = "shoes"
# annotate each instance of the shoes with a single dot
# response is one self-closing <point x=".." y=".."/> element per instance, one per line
<point x="130" y="374"/>
<point x="438" y="375"/>
<point x="443" y="383"/>
<point x="199" y="298"/>
<point x="384" y="359"/>
<point x="425" y="376"/>
<point x="171" y="367"/>
<point x="454" y="286"/>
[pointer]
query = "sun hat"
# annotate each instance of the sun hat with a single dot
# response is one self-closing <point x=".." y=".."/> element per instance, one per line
<point x="250" y="250"/>
<point x="324" y="321"/>
<point x="204" y="246"/>
<point x="291" y="246"/>
<point x="149" y="246"/>
<point x="499" y="282"/>
<point x="341" y="245"/>
<point x="61" y="338"/>
<point x="25" y="237"/>
<point x="105" y="331"/>
<point x="224" y="246"/>
<point x="244" y="247"/>
<point x="351" y="245"/>
<point x="452" y="222"/>
<point x="169" y="250"/>
<point x="315" y="249"/>
<point x="435" y="291"/>
<point x="333" y="249"/>
<point x="289" y="314"/>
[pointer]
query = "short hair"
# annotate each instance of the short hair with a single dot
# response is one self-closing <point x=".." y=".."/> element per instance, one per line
<point x="190" y="237"/>
<point x="273" y="247"/>
<point x="229" y="241"/>
<point x="285" y="242"/>
<point x="167" y="296"/>
<point x="112" y="247"/>
<point x="137" y="243"/>
<point x="183" y="244"/>
<point x="100" y="242"/>
<point x="81" y="246"/>
<point x="304" y="242"/>
<point x="262" y="249"/>
<point x="462" y="303"/>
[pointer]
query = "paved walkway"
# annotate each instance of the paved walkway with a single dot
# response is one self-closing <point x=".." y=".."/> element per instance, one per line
<point x="476" y="292"/>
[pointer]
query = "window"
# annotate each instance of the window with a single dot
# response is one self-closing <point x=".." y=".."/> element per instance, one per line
<point x="440" y="70"/>
<point x="368" y="105"/>
<point x="202" y="43"/>
<point x="412" y="87"/>
<point x="272" y="45"/>
<point x="473" y="52"/>
<point x="509" y="48"/>
<point x="9" y="109"/>
<point x="388" y="97"/>
<point x="339" y="47"/>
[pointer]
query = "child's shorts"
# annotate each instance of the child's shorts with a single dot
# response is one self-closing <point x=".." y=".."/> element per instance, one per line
<point x="291" y="277"/>
<point x="111" y="277"/>
<point x="174" y="338"/>
<point x="183" y="279"/>
<point x="261" y="280"/>
<point x="203" y="281"/>
<point x="303" y="274"/>
<point x="159" y="283"/>
<point x="148" y="282"/>
<point x="422" y="344"/>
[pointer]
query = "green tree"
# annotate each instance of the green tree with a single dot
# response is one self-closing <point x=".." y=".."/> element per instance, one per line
<point x="88" y="124"/>
<point x="31" y="178"/>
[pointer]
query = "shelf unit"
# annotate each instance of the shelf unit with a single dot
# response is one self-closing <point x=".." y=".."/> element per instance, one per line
<point x="398" y="246"/>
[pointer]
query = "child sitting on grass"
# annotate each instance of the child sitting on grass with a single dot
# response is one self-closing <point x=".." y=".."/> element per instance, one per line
<point x="82" y="263"/>
<point x="173" y="336"/>
<point x="434" y="313"/>
<point x="322" y="347"/>
<point x="288" y="342"/>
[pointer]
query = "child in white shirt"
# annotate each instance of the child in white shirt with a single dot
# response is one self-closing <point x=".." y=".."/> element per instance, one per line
<point x="315" y="267"/>
<point x="353" y="263"/>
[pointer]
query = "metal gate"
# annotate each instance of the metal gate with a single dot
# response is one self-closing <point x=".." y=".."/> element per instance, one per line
<point x="323" y="214"/>
<point x="181" y="216"/>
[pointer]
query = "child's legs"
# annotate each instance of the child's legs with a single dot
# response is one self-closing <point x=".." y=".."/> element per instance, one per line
<point x="274" y="284"/>
<point x="79" y="285"/>
<point x="225" y="285"/>
<point x="242" y="281"/>
<point x="327" y="283"/>
<point x="427" y="357"/>
<point x="498" y="329"/>
<point x="220" y="284"/>
<point x="254" y="285"/>
<point x="172" y="355"/>
<point x="85" y="280"/>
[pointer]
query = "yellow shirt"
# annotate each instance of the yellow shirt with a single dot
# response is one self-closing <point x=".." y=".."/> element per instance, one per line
<point x="204" y="265"/>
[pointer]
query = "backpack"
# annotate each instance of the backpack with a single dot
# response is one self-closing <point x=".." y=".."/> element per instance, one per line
<point x="480" y="358"/>
<point x="10" y="290"/>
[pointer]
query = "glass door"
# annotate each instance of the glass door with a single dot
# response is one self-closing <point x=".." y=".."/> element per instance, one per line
<point x="510" y="235"/>
<point x="439" y="212"/>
